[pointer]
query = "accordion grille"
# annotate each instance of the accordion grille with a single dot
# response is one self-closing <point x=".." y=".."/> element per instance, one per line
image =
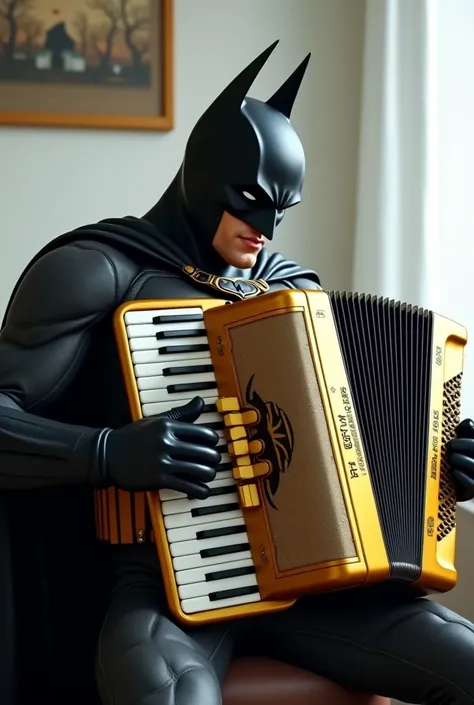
<point x="447" y="496"/>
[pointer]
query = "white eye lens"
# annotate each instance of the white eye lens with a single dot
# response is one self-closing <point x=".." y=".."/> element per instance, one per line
<point x="248" y="195"/>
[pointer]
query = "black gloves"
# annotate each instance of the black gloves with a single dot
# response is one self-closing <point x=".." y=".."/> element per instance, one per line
<point x="169" y="451"/>
<point x="460" y="456"/>
<point x="163" y="452"/>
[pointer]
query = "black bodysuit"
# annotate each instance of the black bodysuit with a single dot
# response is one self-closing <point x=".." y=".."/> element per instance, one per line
<point x="60" y="384"/>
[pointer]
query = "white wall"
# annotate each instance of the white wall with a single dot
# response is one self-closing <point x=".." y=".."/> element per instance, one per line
<point x="456" y="172"/>
<point x="52" y="181"/>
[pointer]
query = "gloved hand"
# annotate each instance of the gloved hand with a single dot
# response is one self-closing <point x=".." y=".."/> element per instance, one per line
<point x="460" y="456"/>
<point x="167" y="451"/>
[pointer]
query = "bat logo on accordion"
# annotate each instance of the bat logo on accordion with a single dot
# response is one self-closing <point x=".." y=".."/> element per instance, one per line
<point x="275" y="432"/>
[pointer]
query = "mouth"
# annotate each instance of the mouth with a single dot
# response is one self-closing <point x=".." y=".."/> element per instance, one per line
<point x="254" y="242"/>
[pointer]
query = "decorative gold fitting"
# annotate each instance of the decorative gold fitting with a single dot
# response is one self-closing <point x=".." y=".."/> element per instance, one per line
<point x="248" y="495"/>
<point x="226" y="404"/>
<point x="243" y="472"/>
<point x="245" y="447"/>
<point x="236" y="433"/>
<point x="244" y="418"/>
<point x="248" y="471"/>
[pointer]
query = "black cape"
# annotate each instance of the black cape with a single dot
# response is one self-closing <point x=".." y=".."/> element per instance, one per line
<point x="143" y="242"/>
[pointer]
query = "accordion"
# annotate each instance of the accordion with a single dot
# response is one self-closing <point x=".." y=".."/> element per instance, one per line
<point x="333" y="412"/>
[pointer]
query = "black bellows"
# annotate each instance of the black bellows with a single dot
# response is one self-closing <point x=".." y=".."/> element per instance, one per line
<point x="387" y="351"/>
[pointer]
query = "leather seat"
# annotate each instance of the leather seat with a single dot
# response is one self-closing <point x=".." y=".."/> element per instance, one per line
<point x="259" y="681"/>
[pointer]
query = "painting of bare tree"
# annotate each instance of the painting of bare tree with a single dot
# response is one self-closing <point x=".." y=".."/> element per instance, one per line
<point x="89" y="41"/>
<point x="51" y="48"/>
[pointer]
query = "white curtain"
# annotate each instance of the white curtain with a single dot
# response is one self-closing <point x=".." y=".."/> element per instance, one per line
<point x="397" y="235"/>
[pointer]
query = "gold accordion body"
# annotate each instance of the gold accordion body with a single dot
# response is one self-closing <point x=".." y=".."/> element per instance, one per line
<point x="333" y="412"/>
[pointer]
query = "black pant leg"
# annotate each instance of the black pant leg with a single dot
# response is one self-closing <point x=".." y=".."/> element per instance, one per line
<point x="144" y="657"/>
<point x="379" y="641"/>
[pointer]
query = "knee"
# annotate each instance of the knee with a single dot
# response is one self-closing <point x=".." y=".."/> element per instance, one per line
<point x="446" y="642"/>
<point x="148" y="660"/>
<point x="145" y="677"/>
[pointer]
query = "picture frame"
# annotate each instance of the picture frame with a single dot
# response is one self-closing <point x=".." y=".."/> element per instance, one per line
<point x="104" y="64"/>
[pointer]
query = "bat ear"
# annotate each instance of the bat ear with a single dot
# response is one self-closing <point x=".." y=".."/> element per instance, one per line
<point x="283" y="99"/>
<point x="234" y="94"/>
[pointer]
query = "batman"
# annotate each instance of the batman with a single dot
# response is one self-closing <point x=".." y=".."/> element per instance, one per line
<point x="85" y="620"/>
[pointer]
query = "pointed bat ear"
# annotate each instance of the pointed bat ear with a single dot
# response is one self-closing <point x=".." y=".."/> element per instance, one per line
<point x="234" y="94"/>
<point x="284" y="98"/>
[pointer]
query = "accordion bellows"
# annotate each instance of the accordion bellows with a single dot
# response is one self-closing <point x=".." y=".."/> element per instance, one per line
<point x="334" y="411"/>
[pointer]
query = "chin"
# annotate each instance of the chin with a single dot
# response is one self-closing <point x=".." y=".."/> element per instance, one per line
<point x="246" y="261"/>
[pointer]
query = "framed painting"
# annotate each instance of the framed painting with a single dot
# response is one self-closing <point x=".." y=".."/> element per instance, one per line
<point x="87" y="63"/>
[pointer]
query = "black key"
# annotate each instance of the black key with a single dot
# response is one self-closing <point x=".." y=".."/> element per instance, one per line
<point x="224" y="550"/>
<point x="216" y="425"/>
<point x="169" y="349"/>
<point x="167" y="334"/>
<point x="187" y="370"/>
<point x="218" y="491"/>
<point x="178" y="318"/>
<point x="211" y="409"/>
<point x="190" y="387"/>
<point x="223" y="531"/>
<point x="227" y="489"/>
<point x="235" y="592"/>
<point x="222" y="448"/>
<point x="215" y="509"/>
<point x="232" y="573"/>
<point x="224" y="467"/>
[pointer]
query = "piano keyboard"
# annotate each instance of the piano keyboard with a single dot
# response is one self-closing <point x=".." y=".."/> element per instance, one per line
<point x="207" y="539"/>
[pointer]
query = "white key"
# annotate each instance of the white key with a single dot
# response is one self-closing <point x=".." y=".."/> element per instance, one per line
<point x="152" y="343"/>
<point x="187" y="533"/>
<point x="201" y="604"/>
<point x="203" y="420"/>
<point x="186" y="505"/>
<point x="159" y="395"/>
<point x="200" y="589"/>
<point x="209" y="417"/>
<point x="149" y="330"/>
<point x="147" y="316"/>
<point x="176" y="521"/>
<point x="152" y="369"/>
<point x="169" y="401"/>
<point x="187" y="548"/>
<point x="225" y="478"/>
<point x="198" y="575"/>
<point x="165" y="495"/>
<point x="159" y="407"/>
<point x="195" y="560"/>
<point x="147" y="356"/>
<point x="160" y="381"/>
<point x="160" y="384"/>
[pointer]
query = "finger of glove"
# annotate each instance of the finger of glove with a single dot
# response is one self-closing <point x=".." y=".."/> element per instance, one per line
<point x="202" y="455"/>
<point x="196" y="490"/>
<point x="461" y="463"/>
<point x="188" y="413"/>
<point x="463" y="479"/>
<point x="194" y="472"/>
<point x="465" y="429"/>
<point x="463" y="446"/>
<point x="193" y="433"/>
